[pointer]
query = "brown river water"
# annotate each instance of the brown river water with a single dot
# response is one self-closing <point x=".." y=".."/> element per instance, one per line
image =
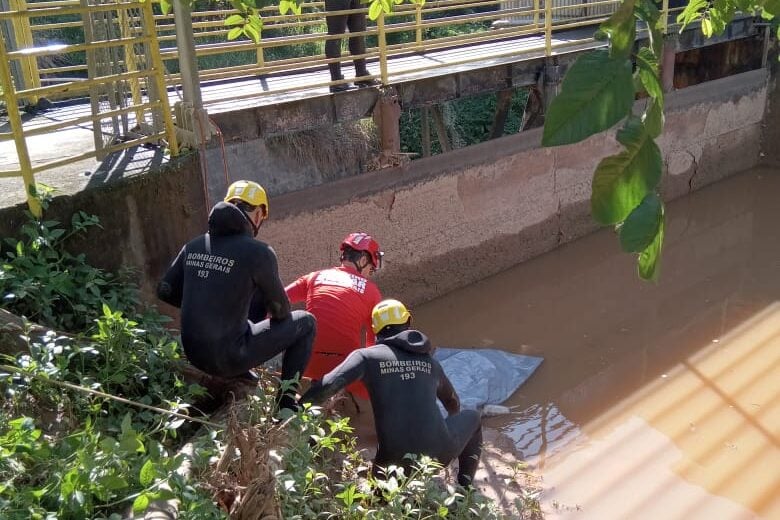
<point x="657" y="401"/>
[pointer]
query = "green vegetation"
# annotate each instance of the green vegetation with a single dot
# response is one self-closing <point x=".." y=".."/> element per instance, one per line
<point x="97" y="422"/>
<point x="599" y="91"/>
<point x="468" y="121"/>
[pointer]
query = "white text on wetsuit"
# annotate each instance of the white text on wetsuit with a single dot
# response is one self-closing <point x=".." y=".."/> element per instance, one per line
<point x="405" y="369"/>
<point x="206" y="263"/>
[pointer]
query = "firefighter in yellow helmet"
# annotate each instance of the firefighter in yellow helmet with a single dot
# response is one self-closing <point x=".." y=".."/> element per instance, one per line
<point x="226" y="283"/>
<point x="404" y="381"/>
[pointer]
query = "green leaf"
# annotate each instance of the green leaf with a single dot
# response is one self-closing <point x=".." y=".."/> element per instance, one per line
<point x="649" y="263"/>
<point x="140" y="503"/>
<point x="706" y="27"/>
<point x="375" y="9"/>
<point x="647" y="68"/>
<point x="641" y="226"/>
<point x="653" y="118"/>
<point x="252" y="33"/>
<point x="597" y="92"/>
<point x="147" y="474"/>
<point x="165" y="6"/>
<point x="621" y="28"/>
<point x="234" y="19"/>
<point x="113" y="482"/>
<point x="691" y="12"/>
<point x="621" y="181"/>
<point x="235" y="32"/>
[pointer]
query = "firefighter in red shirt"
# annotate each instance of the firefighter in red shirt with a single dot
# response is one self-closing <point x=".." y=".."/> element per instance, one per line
<point x="341" y="298"/>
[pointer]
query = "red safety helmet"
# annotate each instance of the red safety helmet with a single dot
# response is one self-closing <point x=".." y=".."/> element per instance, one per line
<point x="364" y="242"/>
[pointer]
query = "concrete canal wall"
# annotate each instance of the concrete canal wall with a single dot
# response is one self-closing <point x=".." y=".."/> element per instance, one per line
<point x="444" y="221"/>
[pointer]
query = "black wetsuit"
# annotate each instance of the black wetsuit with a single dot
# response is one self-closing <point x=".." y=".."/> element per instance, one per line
<point x="404" y="381"/>
<point x="222" y="279"/>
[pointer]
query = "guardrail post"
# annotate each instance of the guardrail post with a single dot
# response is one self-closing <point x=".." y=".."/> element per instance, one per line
<point x="380" y="25"/>
<point x="158" y="81"/>
<point x="418" y="25"/>
<point x="665" y="15"/>
<point x="28" y="65"/>
<point x="15" y="120"/>
<point x="536" y="14"/>
<point x="548" y="27"/>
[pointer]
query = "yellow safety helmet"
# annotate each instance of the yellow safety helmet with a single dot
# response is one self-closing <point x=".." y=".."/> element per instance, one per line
<point x="248" y="191"/>
<point x="388" y="312"/>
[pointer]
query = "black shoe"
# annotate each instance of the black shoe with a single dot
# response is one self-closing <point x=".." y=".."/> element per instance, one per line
<point x="341" y="87"/>
<point x="367" y="83"/>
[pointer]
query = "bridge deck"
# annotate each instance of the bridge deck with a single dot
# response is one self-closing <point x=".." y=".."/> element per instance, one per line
<point x="272" y="89"/>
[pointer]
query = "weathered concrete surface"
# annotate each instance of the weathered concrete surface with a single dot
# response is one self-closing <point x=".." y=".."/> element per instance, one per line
<point x="444" y="221"/>
<point x="450" y="220"/>
<point x="144" y="219"/>
<point x="770" y="137"/>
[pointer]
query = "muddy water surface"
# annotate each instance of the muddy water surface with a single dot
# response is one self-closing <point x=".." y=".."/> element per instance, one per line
<point x="654" y="401"/>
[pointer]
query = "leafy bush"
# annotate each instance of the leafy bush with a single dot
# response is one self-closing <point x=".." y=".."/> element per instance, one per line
<point x="41" y="280"/>
<point x="73" y="443"/>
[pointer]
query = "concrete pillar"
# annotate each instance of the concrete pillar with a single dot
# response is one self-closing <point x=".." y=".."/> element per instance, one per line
<point x="553" y="75"/>
<point x="667" y="63"/>
<point x="387" y="115"/>
<point x="192" y="119"/>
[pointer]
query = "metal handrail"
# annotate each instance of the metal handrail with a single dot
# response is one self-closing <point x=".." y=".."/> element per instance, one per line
<point x="538" y="18"/>
<point x="138" y="100"/>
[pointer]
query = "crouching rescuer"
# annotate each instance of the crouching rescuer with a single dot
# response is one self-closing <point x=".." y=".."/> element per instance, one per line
<point x="226" y="283"/>
<point x="404" y="382"/>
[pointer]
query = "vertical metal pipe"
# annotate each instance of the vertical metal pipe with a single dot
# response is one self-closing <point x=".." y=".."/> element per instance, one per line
<point x="150" y="32"/>
<point x="548" y="28"/>
<point x="418" y="25"/>
<point x="536" y="14"/>
<point x="665" y="16"/>
<point x="380" y="25"/>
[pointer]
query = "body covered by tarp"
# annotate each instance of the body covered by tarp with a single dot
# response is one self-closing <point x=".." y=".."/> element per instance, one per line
<point x="485" y="376"/>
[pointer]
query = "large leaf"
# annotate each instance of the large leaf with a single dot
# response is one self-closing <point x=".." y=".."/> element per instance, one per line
<point x="621" y="181"/>
<point x="597" y="92"/>
<point x="621" y="29"/>
<point x="647" y="68"/>
<point x="641" y="226"/>
<point x="653" y="118"/>
<point x="649" y="263"/>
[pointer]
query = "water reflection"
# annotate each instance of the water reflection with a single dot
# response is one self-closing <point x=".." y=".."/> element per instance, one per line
<point x="539" y="431"/>
<point x="628" y="395"/>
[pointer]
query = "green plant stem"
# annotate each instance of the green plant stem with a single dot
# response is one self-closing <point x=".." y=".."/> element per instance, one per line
<point x="98" y="393"/>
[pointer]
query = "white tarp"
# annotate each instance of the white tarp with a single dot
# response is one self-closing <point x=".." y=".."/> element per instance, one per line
<point x="485" y="376"/>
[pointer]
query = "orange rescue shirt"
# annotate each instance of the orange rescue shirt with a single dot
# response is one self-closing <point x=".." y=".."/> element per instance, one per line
<point x="342" y="301"/>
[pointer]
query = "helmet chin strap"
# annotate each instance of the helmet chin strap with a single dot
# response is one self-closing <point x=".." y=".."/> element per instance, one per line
<point x="255" y="228"/>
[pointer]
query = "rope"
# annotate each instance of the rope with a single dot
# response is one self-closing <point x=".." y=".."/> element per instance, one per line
<point x="109" y="396"/>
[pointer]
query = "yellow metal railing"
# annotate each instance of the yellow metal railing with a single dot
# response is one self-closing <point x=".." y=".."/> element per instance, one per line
<point x="126" y="86"/>
<point x="290" y="43"/>
<point x="410" y="28"/>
